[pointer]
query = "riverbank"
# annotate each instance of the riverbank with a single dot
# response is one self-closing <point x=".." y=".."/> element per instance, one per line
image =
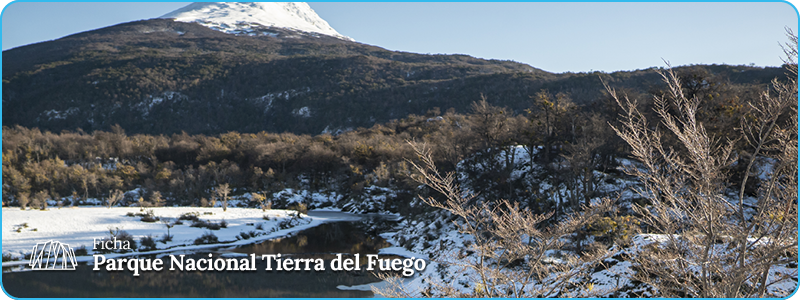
<point x="82" y="227"/>
<point x="328" y="234"/>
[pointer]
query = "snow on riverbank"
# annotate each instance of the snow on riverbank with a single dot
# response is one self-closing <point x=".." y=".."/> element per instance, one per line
<point x="79" y="226"/>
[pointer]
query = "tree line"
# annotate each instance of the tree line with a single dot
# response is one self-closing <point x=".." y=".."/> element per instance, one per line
<point x="568" y="140"/>
<point x="185" y="168"/>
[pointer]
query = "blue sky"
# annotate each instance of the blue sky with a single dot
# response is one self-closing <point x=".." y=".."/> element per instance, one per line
<point x="556" y="37"/>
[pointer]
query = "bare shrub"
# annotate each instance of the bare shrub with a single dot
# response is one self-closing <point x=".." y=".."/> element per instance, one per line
<point x="510" y="248"/>
<point x="206" y="238"/>
<point x="189" y="216"/>
<point x="712" y="242"/>
<point x="261" y="200"/>
<point x="23" y="198"/>
<point x="300" y="208"/>
<point x="156" y="199"/>
<point x="149" y="217"/>
<point x="147" y="243"/>
<point x="166" y="238"/>
<point x="118" y="235"/>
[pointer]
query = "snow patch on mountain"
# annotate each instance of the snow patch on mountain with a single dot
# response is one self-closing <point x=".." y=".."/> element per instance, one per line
<point x="267" y="100"/>
<point x="147" y="104"/>
<point x="242" y="17"/>
<point x="304" y="112"/>
<point x="59" y="115"/>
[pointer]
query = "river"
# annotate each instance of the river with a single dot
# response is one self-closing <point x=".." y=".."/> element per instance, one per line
<point x="348" y="234"/>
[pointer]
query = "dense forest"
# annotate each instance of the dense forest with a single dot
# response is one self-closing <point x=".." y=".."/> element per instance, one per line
<point x="185" y="169"/>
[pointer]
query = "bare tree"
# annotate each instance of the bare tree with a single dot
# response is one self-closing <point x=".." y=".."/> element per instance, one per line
<point x="40" y="200"/>
<point x="222" y="192"/>
<point x="582" y="158"/>
<point x="260" y="199"/>
<point x="74" y="200"/>
<point x="156" y="198"/>
<point x="711" y="242"/>
<point x="23" y="198"/>
<point x="204" y="202"/>
<point x="113" y="197"/>
<point x="86" y="179"/>
<point x="510" y="246"/>
<point x="490" y="123"/>
<point x="143" y="204"/>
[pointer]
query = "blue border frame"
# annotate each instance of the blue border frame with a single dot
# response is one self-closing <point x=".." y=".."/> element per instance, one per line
<point x="569" y="1"/>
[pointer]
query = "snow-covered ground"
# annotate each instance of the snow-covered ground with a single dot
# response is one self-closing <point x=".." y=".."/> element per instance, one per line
<point x="242" y="17"/>
<point x="414" y="283"/>
<point x="80" y="226"/>
<point x="431" y="237"/>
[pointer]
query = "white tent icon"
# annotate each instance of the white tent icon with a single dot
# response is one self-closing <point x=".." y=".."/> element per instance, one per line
<point x="52" y="255"/>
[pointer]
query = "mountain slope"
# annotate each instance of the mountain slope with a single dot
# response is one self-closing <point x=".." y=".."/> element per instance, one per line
<point x="161" y="76"/>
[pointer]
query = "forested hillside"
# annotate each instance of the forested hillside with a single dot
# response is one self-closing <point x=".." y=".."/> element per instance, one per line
<point x="553" y="129"/>
<point x="164" y="77"/>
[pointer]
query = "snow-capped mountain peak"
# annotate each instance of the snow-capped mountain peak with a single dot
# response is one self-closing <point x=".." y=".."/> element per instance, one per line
<point x="239" y="17"/>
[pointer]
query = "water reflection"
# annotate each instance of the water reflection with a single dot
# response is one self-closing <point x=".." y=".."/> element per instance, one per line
<point x="319" y="242"/>
<point x="87" y="283"/>
<point x="340" y="237"/>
